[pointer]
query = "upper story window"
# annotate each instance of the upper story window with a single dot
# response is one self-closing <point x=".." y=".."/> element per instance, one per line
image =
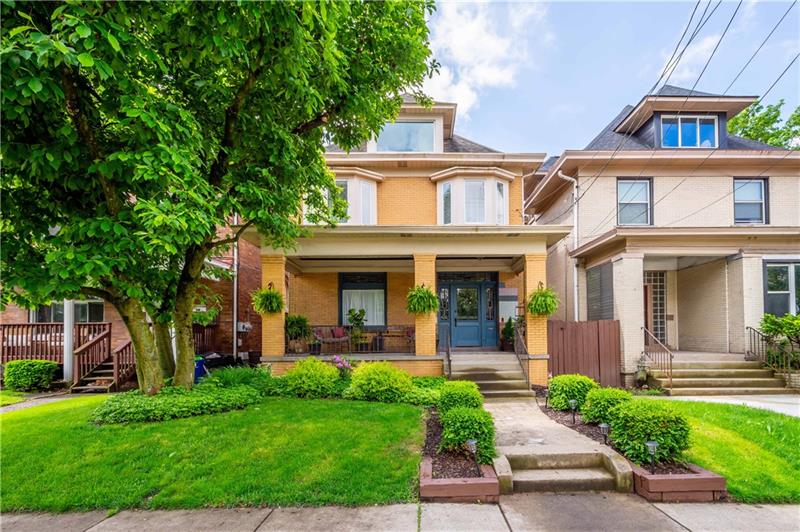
<point x="407" y="136"/>
<point x="91" y="311"/>
<point x="749" y="201"/>
<point x="782" y="285"/>
<point x="361" y="196"/>
<point x="468" y="201"/>
<point x="634" y="202"/>
<point x="689" y="132"/>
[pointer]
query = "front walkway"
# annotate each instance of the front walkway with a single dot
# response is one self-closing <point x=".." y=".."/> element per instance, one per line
<point x="788" y="404"/>
<point x="540" y="511"/>
<point x="36" y="400"/>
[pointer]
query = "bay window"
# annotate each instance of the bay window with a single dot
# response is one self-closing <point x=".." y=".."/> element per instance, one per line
<point x="473" y="201"/>
<point x="362" y="201"/>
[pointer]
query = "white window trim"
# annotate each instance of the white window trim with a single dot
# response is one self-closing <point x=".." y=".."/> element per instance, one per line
<point x="646" y="202"/>
<point x="762" y="201"/>
<point x="441" y="188"/>
<point x="697" y="119"/>
<point x="355" y="198"/>
<point x="438" y="133"/>
<point x="792" y="286"/>
<point x="458" y="203"/>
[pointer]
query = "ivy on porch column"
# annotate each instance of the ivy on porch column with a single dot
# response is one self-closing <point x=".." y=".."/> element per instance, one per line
<point x="535" y="271"/>
<point x="425" y="325"/>
<point x="273" y="270"/>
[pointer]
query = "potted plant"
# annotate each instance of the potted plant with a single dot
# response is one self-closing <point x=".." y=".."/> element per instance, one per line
<point x="507" y="335"/>
<point x="356" y="319"/>
<point x="543" y="301"/>
<point x="267" y="300"/>
<point x="421" y="300"/>
<point x="297" y="330"/>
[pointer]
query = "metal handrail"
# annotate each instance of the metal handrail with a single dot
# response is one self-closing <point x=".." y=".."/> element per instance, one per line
<point x="659" y="354"/>
<point x="447" y="353"/>
<point x="774" y="354"/>
<point x="520" y="348"/>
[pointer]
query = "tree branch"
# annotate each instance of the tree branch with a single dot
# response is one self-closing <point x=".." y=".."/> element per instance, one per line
<point x="234" y="238"/>
<point x="98" y="293"/>
<point x="319" y="120"/>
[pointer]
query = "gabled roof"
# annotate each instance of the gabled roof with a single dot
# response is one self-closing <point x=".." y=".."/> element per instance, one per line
<point x="672" y="90"/>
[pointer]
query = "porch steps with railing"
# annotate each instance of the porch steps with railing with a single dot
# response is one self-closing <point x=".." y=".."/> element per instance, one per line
<point x="497" y="374"/>
<point x="727" y="376"/>
<point x="108" y="374"/>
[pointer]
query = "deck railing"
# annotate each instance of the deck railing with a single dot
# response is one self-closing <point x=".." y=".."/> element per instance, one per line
<point x="90" y="355"/>
<point x="124" y="362"/>
<point x="43" y="341"/>
<point x="659" y="355"/>
<point x="386" y="339"/>
<point x="775" y="354"/>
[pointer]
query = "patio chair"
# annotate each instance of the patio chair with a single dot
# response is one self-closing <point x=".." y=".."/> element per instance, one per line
<point x="336" y="337"/>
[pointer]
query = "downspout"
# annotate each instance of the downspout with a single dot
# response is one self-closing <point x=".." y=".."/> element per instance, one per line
<point x="235" y="313"/>
<point x="575" y="239"/>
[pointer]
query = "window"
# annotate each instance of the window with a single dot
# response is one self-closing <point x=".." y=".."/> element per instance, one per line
<point x="362" y="201"/>
<point x="363" y="291"/>
<point x="447" y="206"/>
<point x="782" y="287"/>
<point x="689" y="132"/>
<point x="368" y="198"/>
<point x="406" y="136"/>
<point x="85" y="312"/>
<point x="749" y="201"/>
<point x="500" y="204"/>
<point x="474" y="204"/>
<point x="633" y="202"/>
<point x="342" y="184"/>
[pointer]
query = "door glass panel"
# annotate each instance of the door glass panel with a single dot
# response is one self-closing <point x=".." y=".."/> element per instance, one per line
<point x="467" y="303"/>
<point x="490" y="310"/>
<point x="444" y="304"/>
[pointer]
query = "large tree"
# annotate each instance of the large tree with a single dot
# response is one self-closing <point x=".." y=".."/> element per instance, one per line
<point x="765" y="124"/>
<point x="134" y="134"/>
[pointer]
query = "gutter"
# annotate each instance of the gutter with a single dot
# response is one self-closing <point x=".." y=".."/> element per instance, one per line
<point x="235" y="312"/>
<point x="575" y="234"/>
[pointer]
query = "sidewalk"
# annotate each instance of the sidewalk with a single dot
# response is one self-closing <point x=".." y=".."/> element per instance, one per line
<point x="788" y="404"/>
<point x="530" y="511"/>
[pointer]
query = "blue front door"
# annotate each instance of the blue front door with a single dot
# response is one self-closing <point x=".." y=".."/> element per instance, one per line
<point x="467" y="313"/>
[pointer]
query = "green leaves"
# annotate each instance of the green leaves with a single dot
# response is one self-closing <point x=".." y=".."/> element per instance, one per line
<point x="35" y="85"/>
<point x="86" y="60"/>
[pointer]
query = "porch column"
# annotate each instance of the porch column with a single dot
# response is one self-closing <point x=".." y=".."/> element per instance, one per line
<point x="69" y="338"/>
<point x="273" y="270"/>
<point x="425" y="326"/>
<point x="535" y="271"/>
<point x="628" y="274"/>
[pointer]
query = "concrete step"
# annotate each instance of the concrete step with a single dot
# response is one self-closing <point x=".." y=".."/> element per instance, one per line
<point x="729" y="391"/>
<point x="713" y="372"/>
<point x="487" y="375"/>
<point x="553" y="460"/>
<point x="494" y="394"/>
<point x="579" y="479"/>
<point x="722" y="383"/>
<point x="486" y="369"/>
<point x="502" y="385"/>
<point x="718" y="364"/>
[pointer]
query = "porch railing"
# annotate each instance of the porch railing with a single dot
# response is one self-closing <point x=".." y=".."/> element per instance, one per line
<point x="777" y="355"/>
<point x="520" y="346"/>
<point x="659" y="355"/>
<point x="90" y="355"/>
<point x="324" y="341"/>
<point x="43" y="341"/>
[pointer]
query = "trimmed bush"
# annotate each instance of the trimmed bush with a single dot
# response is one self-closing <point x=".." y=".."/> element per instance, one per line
<point x="428" y="382"/>
<point x="461" y="424"/>
<point x="456" y="394"/>
<point x="600" y="401"/>
<point x="635" y="422"/>
<point x="173" y="403"/>
<point x="565" y="387"/>
<point x="312" y="378"/>
<point x="29" y="375"/>
<point x="422" y="396"/>
<point x="379" y="381"/>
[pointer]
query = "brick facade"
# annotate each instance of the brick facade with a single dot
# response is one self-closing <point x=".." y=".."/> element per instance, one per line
<point x="425" y="325"/>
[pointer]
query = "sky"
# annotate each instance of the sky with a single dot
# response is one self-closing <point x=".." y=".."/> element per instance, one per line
<point x="548" y="76"/>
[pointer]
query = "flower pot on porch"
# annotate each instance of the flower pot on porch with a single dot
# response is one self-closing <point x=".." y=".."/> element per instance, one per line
<point x="297" y="346"/>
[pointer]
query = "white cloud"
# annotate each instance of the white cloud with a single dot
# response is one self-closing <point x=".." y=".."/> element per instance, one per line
<point x="481" y="45"/>
<point x="686" y="67"/>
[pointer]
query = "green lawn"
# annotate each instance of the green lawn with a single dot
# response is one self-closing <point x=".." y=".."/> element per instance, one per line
<point x="7" y="397"/>
<point x="757" y="451"/>
<point x="280" y="452"/>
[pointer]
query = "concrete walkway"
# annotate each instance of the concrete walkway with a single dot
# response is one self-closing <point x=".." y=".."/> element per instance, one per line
<point x="788" y="404"/>
<point x="36" y="400"/>
<point x="540" y="511"/>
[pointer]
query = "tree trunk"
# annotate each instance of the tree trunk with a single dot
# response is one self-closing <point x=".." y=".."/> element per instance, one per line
<point x="148" y="369"/>
<point x="166" y="358"/>
<point x="184" y="340"/>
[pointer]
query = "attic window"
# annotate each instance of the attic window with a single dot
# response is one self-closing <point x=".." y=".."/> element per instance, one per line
<point x="689" y="132"/>
<point x="407" y="136"/>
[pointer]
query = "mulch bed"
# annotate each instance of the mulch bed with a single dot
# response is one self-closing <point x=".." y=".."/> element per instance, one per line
<point x="591" y="430"/>
<point x="447" y="464"/>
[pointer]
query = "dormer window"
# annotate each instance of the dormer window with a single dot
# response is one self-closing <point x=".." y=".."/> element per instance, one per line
<point x="689" y="132"/>
<point x="407" y="136"/>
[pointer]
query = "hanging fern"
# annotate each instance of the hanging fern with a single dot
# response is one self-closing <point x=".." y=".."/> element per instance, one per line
<point x="421" y="300"/>
<point x="543" y="301"/>
<point x="267" y="301"/>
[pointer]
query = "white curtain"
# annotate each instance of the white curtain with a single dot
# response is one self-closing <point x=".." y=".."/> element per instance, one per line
<point x="370" y="300"/>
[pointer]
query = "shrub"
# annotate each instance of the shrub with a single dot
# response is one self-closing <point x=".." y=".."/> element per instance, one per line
<point x="428" y="382"/>
<point x="421" y="300"/>
<point x="379" y="381"/>
<point x="565" y="387"/>
<point x="267" y="301"/>
<point x="173" y="403"/>
<point x="312" y="378"/>
<point x="599" y="401"/>
<point x="456" y="394"/>
<point x="422" y="396"/>
<point x="29" y="375"/>
<point x="462" y="424"/>
<point x="635" y="422"/>
<point x="543" y="301"/>
<point x="257" y="378"/>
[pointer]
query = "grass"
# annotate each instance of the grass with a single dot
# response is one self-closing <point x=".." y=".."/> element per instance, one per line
<point x="7" y="397"/>
<point x="279" y="452"/>
<point x="755" y="450"/>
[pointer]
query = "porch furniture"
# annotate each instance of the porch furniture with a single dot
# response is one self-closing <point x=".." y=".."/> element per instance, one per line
<point x="337" y="337"/>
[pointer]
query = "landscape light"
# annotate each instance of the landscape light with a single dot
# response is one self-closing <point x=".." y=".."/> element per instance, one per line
<point x="604" y="432"/>
<point x="652" y="446"/>
<point x="573" y="404"/>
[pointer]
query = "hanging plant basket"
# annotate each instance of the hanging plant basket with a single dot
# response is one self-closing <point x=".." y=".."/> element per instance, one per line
<point x="543" y="301"/>
<point x="267" y="301"/>
<point x="421" y="300"/>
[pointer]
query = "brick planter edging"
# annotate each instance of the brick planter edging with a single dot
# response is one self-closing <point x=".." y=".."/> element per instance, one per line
<point x="699" y="486"/>
<point x="483" y="489"/>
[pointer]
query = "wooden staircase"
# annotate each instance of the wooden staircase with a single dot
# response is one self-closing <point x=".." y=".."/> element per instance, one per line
<point x="107" y="375"/>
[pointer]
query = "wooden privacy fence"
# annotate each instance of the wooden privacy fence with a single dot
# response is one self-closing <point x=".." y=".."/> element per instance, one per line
<point x="590" y="348"/>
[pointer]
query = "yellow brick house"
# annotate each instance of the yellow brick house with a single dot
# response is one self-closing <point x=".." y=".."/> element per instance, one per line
<point x="425" y="206"/>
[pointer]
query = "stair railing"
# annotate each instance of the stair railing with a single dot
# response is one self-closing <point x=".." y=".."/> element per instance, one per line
<point x="774" y="354"/>
<point x="659" y="355"/>
<point x="90" y="355"/>
<point x="447" y="351"/>
<point x="124" y="361"/>
<point x="521" y="348"/>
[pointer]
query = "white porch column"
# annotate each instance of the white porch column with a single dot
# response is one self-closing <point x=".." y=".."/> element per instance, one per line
<point x="69" y="339"/>
<point x="628" y="273"/>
